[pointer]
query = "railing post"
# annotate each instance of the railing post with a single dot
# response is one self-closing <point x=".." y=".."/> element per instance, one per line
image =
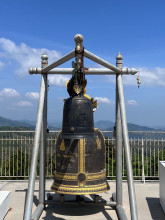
<point x="44" y="63"/>
<point x="119" y="62"/>
<point x="143" y="175"/>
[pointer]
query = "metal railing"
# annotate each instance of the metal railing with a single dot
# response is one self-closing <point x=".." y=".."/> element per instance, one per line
<point x="147" y="149"/>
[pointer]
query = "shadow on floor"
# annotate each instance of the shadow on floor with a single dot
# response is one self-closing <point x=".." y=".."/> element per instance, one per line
<point x="155" y="208"/>
<point x="74" y="209"/>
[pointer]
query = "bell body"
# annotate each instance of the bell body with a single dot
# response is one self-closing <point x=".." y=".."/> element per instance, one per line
<point x="80" y="165"/>
<point x="80" y="152"/>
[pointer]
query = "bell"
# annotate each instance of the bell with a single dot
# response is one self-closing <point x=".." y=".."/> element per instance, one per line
<point x="80" y="151"/>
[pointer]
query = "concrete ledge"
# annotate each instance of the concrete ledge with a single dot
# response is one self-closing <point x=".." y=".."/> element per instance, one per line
<point x="4" y="203"/>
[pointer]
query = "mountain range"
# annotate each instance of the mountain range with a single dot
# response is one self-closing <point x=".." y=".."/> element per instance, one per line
<point x="105" y="125"/>
<point x="6" y="123"/>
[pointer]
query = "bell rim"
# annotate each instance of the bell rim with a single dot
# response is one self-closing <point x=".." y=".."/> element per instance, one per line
<point x="77" y="192"/>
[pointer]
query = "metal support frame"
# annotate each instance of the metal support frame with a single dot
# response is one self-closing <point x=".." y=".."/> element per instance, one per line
<point x="118" y="139"/>
<point x="121" y="133"/>
<point x="131" y="189"/>
<point x="44" y="63"/>
<point x="31" y="185"/>
<point x="90" y="71"/>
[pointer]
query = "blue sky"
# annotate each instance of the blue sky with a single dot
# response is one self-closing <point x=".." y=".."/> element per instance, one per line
<point x="136" y="28"/>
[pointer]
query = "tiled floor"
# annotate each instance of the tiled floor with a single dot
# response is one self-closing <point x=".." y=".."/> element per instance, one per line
<point x="147" y="202"/>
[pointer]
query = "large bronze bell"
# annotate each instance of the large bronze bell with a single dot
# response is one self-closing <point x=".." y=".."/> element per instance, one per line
<point x="80" y="148"/>
<point x="80" y="151"/>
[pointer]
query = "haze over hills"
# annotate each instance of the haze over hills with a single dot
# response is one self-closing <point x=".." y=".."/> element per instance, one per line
<point x="105" y="125"/>
<point x="109" y="126"/>
<point x="4" y="122"/>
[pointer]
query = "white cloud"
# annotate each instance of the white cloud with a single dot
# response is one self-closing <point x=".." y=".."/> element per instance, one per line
<point x="132" y="102"/>
<point x="8" y="92"/>
<point x="104" y="100"/>
<point x="24" y="104"/>
<point x="148" y="77"/>
<point x="58" y="80"/>
<point x="1" y="65"/>
<point x="153" y="77"/>
<point x="24" y="55"/>
<point x="27" y="57"/>
<point x="32" y="95"/>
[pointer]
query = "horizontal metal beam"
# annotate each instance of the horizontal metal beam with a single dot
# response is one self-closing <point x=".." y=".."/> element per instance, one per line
<point x="90" y="71"/>
<point x="102" y="62"/>
<point x="62" y="60"/>
<point x="103" y="203"/>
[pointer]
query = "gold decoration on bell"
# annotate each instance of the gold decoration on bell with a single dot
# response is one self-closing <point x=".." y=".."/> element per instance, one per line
<point x="65" y="176"/>
<point x="96" y="176"/>
<point x="82" y="155"/>
<point x="62" y="146"/>
<point x="98" y="144"/>
<point x="73" y="177"/>
<point x="77" y="89"/>
<point x="75" y="190"/>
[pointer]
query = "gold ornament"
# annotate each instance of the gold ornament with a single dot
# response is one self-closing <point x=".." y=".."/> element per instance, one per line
<point x="62" y="146"/>
<point x="77" y="89"/>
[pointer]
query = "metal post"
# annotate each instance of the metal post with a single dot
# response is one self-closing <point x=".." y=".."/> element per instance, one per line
<point x="121" y="213"/>
<point x="131" y="188"/>
<point x="119" y="63"/>
<point x="44" y="63"/>
<point x="36" y="215"/>
<point x="31" y="185"/>
<point x="143" y="175"/>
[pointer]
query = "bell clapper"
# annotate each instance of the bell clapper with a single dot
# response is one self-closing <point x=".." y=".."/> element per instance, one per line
<point x="81" y="201"/>
<point x="96" y="199"/>
<point x="62" y="198"/>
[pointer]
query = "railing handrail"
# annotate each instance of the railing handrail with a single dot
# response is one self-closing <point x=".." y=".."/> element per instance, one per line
<point x="54" y="131"/>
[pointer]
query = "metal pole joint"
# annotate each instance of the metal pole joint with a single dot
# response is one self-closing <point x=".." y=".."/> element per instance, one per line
<point x="44" y="59"/>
